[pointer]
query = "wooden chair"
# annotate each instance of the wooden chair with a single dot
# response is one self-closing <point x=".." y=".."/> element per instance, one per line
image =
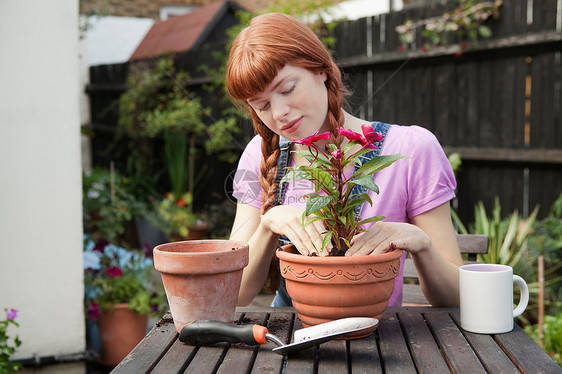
<point x="470" y="246"/>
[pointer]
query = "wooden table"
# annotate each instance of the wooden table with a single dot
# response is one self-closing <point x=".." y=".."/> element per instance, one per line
<point x="408" y="340"/>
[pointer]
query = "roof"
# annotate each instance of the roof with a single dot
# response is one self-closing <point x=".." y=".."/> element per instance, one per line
<point x="112" y="40"/>
<point x="181" y="33"/>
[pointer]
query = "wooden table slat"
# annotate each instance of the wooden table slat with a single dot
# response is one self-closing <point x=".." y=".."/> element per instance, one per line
<point x="332" y="357"/>
<point x="528" y="357"/>
<point x="457" y="352"/>
<point x="395" y="355"/>
<point x="426" y="354"/>
<point x="176" y="359"/>
<point x="303" y="361"/>
<point x="408" y="340"/>
<point x="207" y="359"/>
<point x="280" y="325"/>
<point x="364" y="356"/>
<point x="240" y="357"/>
<point x="492" y="357"/>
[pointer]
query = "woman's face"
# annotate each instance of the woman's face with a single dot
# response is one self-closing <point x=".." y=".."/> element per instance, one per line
<point x="295" y="104"/>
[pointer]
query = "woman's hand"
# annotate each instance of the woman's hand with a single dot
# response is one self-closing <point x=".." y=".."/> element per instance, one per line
<point x="287" y="220"/>
<point x="384" y="236"/>
<point x="432" y="244"/>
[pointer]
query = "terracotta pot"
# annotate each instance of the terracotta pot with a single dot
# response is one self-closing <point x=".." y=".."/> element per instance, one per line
<point x="195" y="232"/>
<point x="120" y="330"/>
<point x="201" y="278"/>
<point x="327" y="288"/>
<point x="198" y="231"/>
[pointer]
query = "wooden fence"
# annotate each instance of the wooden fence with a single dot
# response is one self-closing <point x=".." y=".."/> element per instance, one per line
<point x="497" y="105"/>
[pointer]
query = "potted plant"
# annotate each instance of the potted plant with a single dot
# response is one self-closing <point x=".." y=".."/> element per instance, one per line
<point x="110" y="206"/>
<point x="119" y="296"/>
<point x="158" y="106"/>
<point x="321" y="287"/>
<point x="175" y="217"/>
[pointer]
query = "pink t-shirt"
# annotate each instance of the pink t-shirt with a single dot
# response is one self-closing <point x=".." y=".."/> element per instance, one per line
<point x="409" y="187"/>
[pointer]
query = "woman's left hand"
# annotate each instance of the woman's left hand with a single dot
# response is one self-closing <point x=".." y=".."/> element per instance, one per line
<point x="385" y="236"/>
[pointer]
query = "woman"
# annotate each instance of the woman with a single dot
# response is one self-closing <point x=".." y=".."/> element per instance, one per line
<point x="282" y="73"/>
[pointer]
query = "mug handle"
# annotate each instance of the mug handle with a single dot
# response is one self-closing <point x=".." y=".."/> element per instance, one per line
<point x="524" y="301"/>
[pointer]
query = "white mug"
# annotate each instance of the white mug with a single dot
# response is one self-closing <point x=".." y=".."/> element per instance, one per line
<point x="486" y="295"/>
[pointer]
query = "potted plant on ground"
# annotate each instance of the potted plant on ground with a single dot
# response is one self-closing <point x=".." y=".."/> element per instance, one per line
<point x="175" y="217"/>
<point x="119" y="296"/>
<point x="109" y="206"/>
<point x="321" y="287"/>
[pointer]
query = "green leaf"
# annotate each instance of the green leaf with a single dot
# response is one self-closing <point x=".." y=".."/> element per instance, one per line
<point x="303" y="153"/>
<point x="484" y="31"/>
<point x="294" y="173"/>
<point x="316" y="203"/>
<point x="366" y="181"/>
<point x="352" y="203"/>
<point x="363" y="197"/>
<point x="378" y="163"/>
<point x="306" y="172"/>
<point x="327" y="240"/>
<point x="371" y="219"/>
<point x="311" y="220"/>
<point x="315" y="159"/>
<point x="317" y="176"/>
<point x="359" y="153"/>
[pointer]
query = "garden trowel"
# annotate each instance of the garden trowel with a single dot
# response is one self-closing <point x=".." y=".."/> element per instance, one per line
<point x="206" y="332"/>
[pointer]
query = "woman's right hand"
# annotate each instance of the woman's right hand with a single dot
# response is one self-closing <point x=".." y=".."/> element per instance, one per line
<point x="287" y="220"/>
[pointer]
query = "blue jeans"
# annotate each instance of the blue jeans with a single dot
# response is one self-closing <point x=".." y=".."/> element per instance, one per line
<point x="281" y="296"/>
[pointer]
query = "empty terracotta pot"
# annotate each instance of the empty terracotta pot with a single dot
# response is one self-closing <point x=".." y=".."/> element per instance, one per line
<point x="201" y="278"/>
<point x="327" y="288"/>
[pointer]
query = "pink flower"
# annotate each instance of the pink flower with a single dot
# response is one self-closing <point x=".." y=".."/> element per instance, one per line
<point x="314" y="138"/>
<point x="351" y="135"/>
<point x="12" y="314"/>
<point x="93" y="311"/>
<point x="337" y="154"/>
<point x="114" y="271"/>
<point x="366" y="141"/>
<point x="371" y="135"/>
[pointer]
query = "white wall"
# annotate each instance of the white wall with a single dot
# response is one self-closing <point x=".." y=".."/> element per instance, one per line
<point x="40" y="177"/>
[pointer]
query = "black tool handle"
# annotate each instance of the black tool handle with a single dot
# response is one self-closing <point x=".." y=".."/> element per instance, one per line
<point x="206" y="332"/>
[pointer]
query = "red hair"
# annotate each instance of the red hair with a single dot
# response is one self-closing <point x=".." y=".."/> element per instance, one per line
<point x="270" y="42"/>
